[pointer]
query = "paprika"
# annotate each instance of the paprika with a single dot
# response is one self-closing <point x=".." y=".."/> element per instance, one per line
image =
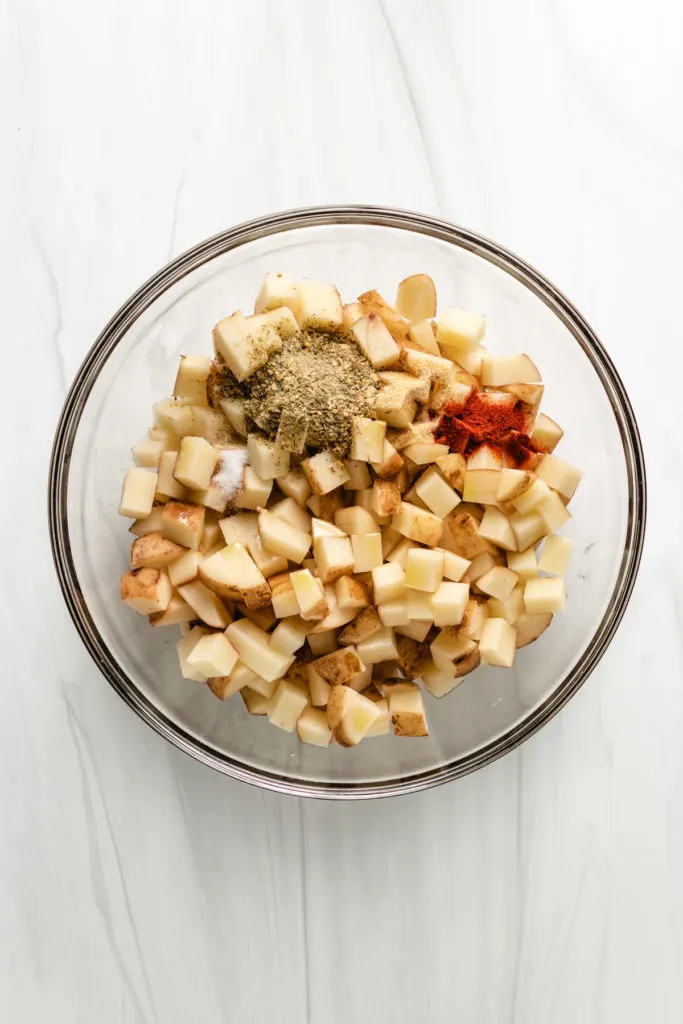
<point x="486" y="420"/>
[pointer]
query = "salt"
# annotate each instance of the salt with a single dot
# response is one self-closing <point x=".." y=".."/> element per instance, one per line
<point x="227" y="477"/>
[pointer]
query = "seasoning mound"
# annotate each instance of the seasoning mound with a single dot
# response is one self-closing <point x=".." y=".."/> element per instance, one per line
<point x="309" y="391"/>
<point x="483" y="421"/>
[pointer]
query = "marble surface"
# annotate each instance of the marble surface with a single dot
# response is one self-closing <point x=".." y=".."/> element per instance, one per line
<point x="137" y="886"/>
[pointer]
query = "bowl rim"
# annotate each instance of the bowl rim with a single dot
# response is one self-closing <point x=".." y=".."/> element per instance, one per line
<point x="330" y="216"/>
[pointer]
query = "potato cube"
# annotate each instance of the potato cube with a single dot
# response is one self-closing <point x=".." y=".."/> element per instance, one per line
<point x="263" y="617"/>
<point x="390" y="538"/>
<point x="321" y="528"/>
<point x="481" y="486"/>
<point x="336" y="616"/>
<point x="367" y="551"/>
<point x="318" y="688"/>
<point x="147" y="453"/>
<point x="234" y="411"/>
<point x="436" y="493"/>
<point x="532" y="496"/>
<point x="288" y="703"/>
<point x="256" y="703"/>
<point x="424" y="569"/>
<point x="359" y="475"/>
<point x="439" y="682"/>
<point x="394" y="613"/>
<point x="523" y="563"/>
<point x="527" y="528"/>
<point x="515" y="369"/>
<point x="311" y="598"/>
<point x="357" y="721"/>
<point x="498" y="643"/>
<point x="295" y="485"/>
<point x="183" y="523"/>
<point x="362" y="627"/>
<point x="351" y="593"/>
<point x="454" y="566"/>
<point x="254" y="492"/>
<point x="422" y="334"/>
<point x="464" y="532"/>
<point x="512" y="483"/>
<point x="420" y="606"/>
<point x="184" y="569"/>
<point x="368" y="436"/>
<point x="476" y="613"/>
<point x="427" y="366"/>
<point x="266" y="458"/>
<point x="553" y="512"/>
<point x="195" y="462"/>
<point x="167" y="485"/>
<point x="559" y="475"/>
<point x="277" y="290"/>
<point x="380" y="646"/>
<point x="253" y="647"/>
<point x="324" y="506"/>
<point x="324" y="472"/>
<point x="174" y="416"/>
<point x="530" y="627"/>
<point x="312" y="728"/>
<point x="293" y="513"/>
<point x="415" y="630"/>
<point x="150" y="523"/>
<point x="154" y="551"/>
<point x="372" y="302"/>
<point x="556" y="554"/>
<point x="283" y="320"/>
<point x="319" y="305"/>
<point x="399" y="555"/>
<point x="546" y="434"/>
<point x="146" y="590"/>
<point x="355" y="520"/>
<point x="510" y="608"/>
<point x="245" y="343"/>
<point x="416" y="298"/>
<point x="339" y="702"/>
<point x="322" y="643"/>
<point x="178" y="612"/>
<point x="333" y="557"/>
<point x="486" y="457"/>
<point x="190" y="383"/>
<point x="453" y="653"/>
<point x="267" y="561"/>
<point x="395" y="406"/>
<point x="382" y="724"/>
<point x="340" y="666"/>
<point x="241" y="676"/>
<point x="282" y="538"/>
<point x="453" y="467"/>
<point x="388" y="582"/>
<point x="407" y="712"/>
<point x="417" y="524"/>
<point x="449" y="603"/>
<point x="213" y="655"/>
<point x="423" y="454"/>
<point x="282" y="596"/>
<point x="496" y="528"/>
<point x="459" y="331"/>
<point x="544" y="595"/>
<point x="386" y="498"/>
<point x="375" y="341"/>
<point x="233" y="574"/>
<point x="184" y="647"/>
<point x="137" y="497"/>
<point x="498" y="582"/>
<point x="209" y="608"/>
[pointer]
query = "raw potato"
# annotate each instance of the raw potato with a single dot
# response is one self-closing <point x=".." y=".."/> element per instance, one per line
<point x="340" y="666"/>
<point x="351" y="593"/>
<point x="311" y="598"/>
<point x="481" y="486"/>
<point x="555" y="555"/>
<point x="290" y="510"/>
<point x="319" y="305"/>
<point x="464" y="531"/>
<point x="420" y="606"/>
<point x="454" y="566"/>
<point x="413" y="657"/>
<point x="388" y="582"/>
<point x="206" y="604"/>
<point x="375" y="341"/>
<point x="174" y="416"/>
<point x="213" y="655"/>
<point x="438" y="682"/>
<point x="417" y="524"/>
<point x="368" y="436"/>
<point x="255" y="702"/>
<point x="424" y="569"/>
<point x="266" y="458"/>
<point x="147" y="453"/>
<point x="499" y="370"/>
<point x="407" y="712"/>
<point x="184" y="647"/>
<point x="527" y="528"/>
<point x="312" y="727"/>
<point x="282" y="596"/>
<point x="529" y="627"/>
<point x="453" y="467"/>
<point x="367" y="551"/>
<point x="498" y="643"/>
<point x="416" y="298"/>
<point x="553" y="512"/>
<point x="324" y="472"/>
<point x="137" y="496"/>
<point x="287" y="704"/>
<point x="544" y="595"/>
<point x="510" y="608"/>
<point x="334" y="558"/>
<point x="476" y="613"/>
<point x="372" y="302"/>
<point x="177" y="613"/>
<point x="232" y="573"/>
<point x="359" y="474"/>
<point x="523" y="563"/>
<point x="449" y="602"/>
<point x="254" y="492"/>
<point x="190" y="382"/>
<point x="146" y="591"/>
<point x="532" y="496"/>
<point x="184" y="569"/>
<point x="245" y="343"/>
<point x="380" y="646"/>
<point x="386" y="498"/>
<point x="282" y="538"/>
<point x="253" y="647"/>
<point x="167" y="485"/>
<point x="498" y="582"/>
<point x="195" y="463"/>
<point x="277" y="290"/>
<point x="183" y="523"/>
<point x="394" y="612"/>
<point x="150" y="524"/>
<point x="362" y="627"/>
<point x="295" y="485"/>
<point x="389" y="466"/>
<point x="422" y="334"/>
<point x="154" y="551"/>
<point x="546" y="434"/>
<point x="559" y="475"/>
<point x="496" y="528"/>
<point x="436" y="493"/>
<point x="459" y="332"/>
<point x="357" y="721"/>
<point x="513" y="483"/>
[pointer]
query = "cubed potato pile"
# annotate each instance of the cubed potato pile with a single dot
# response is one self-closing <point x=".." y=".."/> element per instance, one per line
<point x="331" y="593"/>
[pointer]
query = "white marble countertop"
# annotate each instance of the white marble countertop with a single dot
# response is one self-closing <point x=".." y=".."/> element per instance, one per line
<point x="137" y="886"/>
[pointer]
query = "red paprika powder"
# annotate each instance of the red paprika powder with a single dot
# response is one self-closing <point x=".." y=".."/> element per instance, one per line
<point x="485" y="421"/>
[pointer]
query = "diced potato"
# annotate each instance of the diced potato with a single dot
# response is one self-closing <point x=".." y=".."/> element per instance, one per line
<point x="355" y="520"/>
<point x="266" y="458"/>
<point x="295" y="485"/>
<point x="253" y="647"/>
<point x="413" y="657"/>
<point x="281" y="537"/>
<point x="267" y="561"/>
<point x="458" y="331"/>
<point x="283" y="320"/>
<point x="147" y="453"/>
<point x="245" y="343"/>
<point x="417" y="524"/>
<point x="559" y="475"/>
<point x="454" y="566"/>
<point x="372" y="302"/>
<point x="424" y="569"/>
<point x="351" y="593"/>
<point x="477" y="612"/>
<point x="184" y="647"/>
<point x="137" y="497"/>
<point x="368" y="436"/>
<point x="340" y="666"/>
<point x="422" y="334"/>
<point x="324" y="472"/>
<point x="399" y="555"/>
<point x="556" y="554"/>
<point x="449" y="602"/>
<point x="453" y="467"/>
<point x="382" y="724"/>
<point x="211" y="536"/>
<point x="509" y="609"/>
<point x="436" y="493"/>
<point x="390" y="465"/>
<point x="380" y="646"/>
<point x="178" y="612"/>
<point x="225" y="686"/>
<point x="367" y="551"/>
<point x="375" y="341"/>
<point x="361" y="681"/>
<point x="512" y="483"/>
<point x="213" y="655"/>
<point x="190" y="382"/>
<point x="553" y="511"/>
<point x="498" y="582"/>
<point x="415" y="630"/>
<point x="395" y="612"/>
<point x="498" y="643"/>
<point x="287" y="705"/>
<point x="388" y="582"/>
<point x="325" y="506"/>
<point x="362" y="627"/>
<point x="183" y="523"/>
<point x="357" y="721"/>
<point x="486" y="457"/>
<point x="292" y="431"/>
<point x="523" y="563"/>
<point x="318" y="688"/>
<point x="310" y="596"/>
<point x="154" y="551"/>
<point x="150" y="523"/>
<point x="233" y="574"/>
<point x="146" y="590"/>
<point x="532" y="496"/>
<point x="390" y="538"/>
<point x="322" y="643"/>
<point x="353" y="311"/>
<point x="358" y="473"/>
<point x="263" y="617"/>
<point x="334" y="557"/>
<point x="195" y="463"/>
<point x="212" y="425"/>
<point x="416" y="298"/>
<point x="420" y="606"/>
<point x="336" y="616"/>
<point x="167" y="485"/>
<point x="516" y="369"/>
<point x="209" y="608"/>
<point x="319" y="305"/>
<point x="545" y="595"/>
<point x="452" y="652"/>
<point x="481" y="564"/>
<point x="174" y="416"/>
<point x="527" y="528"/>
<point x="312" y="728"/>
<point x="340" y="700"/>
<point x="453" y="392"/>
<point x="481" y="486"/>
<point x="184" y="569"/>
<point x="438" y="682"/>
<point x="293" y="513"/>
<point x="256" y="703"/>
<point x="277" y="290"/>
<point x="407" y="712"/>
<point x="464" y="531"/>
<point x="546" y="434"/>
<point x="386" y="498"/>
<point x="282" y="596"/>
<point x="289" y="635"/>
<point x="496" y="528"/>
<point x="254" y="492"/>
<point x="321" y="528"/>
<point x="529" y="627"/>
<point x="423" y="454"/>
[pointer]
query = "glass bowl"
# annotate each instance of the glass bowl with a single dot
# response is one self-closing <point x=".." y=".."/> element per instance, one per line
<point x="133" y="363"/>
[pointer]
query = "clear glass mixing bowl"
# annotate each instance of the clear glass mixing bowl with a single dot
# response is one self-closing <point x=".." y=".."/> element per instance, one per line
<point x="132" y="364"/>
